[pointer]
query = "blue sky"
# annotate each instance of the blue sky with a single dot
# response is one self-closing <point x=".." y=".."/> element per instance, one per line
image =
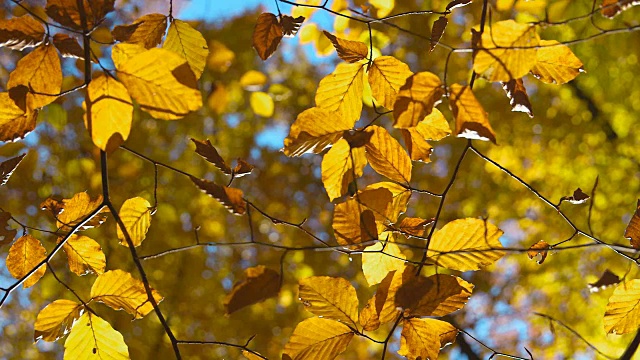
<point x="216" y="9"/>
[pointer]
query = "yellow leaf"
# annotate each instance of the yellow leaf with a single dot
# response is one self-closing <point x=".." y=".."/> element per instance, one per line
<point x="318" y="339"/>
<point x="220" y="56"/>
<point x="472" y="122"/>
<point x="79" y="207"/>
<point x="416" y="99"/>
<point x="21" y="32"/>
<point x="24" y="255"/>
<point x="423" y="338"/>
<point x="231" y="198"/>
<point x="437" y="295"/>
<point x="348" y="50"/>
<point x="18" y="127"/>
<point x="121" y="53"/>
<point x="111" y="112"/>
<point x="556" y="63"/>
<point x="39" y="72"/>
<point x="341" y="91"/>
<point x="331" y="298"/>
<point x="623" y="310"/>
<point x="386" y="76"/>
<point x="251" y="356"/>
<point x="136" y="216"/>
<point x="387" y="157"/>
<point x="67" y="13"/>
<point x="508" y="51"/>
<point x="314" y="130"/>
<point x="161" y="82"/>
<point x="261" y="104"/>
<point x="9" y="111"/>
<point x="120" y="291"/>
<point x="466" y="244"/>
<point x="85" y="255"/>
<point x="368" y="317"/>
<point x="260" y="283"/>
<point x="354" y="221"/>
<point x="189" y="44"/>
<point x="253" y="80"/>
<point x="340" y="166"/>
<point x="382" y="306"/>
<point x="432" y="127"/>
<point x="146" y="31"/>
<point x="56" y="319"/>
<point x="379" y="259"/>
<point x="267" y="35"/>
<point x="93" y="338"/>
<point x="400" y="196"/>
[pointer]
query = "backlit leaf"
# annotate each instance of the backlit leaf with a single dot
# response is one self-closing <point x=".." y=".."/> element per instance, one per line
<point x="507" y="51"/>
<point x="21" y="32"/>
<point x="84" y="255"/>
<point x="416" y="99"/>
<point x="267" y="35"/>
<point x="387" y="157"/>
<point x="242" y="168"/>
<point x="386" y="76"/>
<point x="40" y="73"/>
<point x="135" y="213"/>
<point x="383" y="7"/>
<point x="68" y="46"/>
<point x="260" y="283"/>
<point x="384" y="300"/>
<point x="7" y="168"/>
<point x="261" y="104"/>
<point x="341" y="91"/>
<point x="6" y="235"/>
<point x="121" y="53"/>
<point x="92" y="338"/>
<point x="67" y="13"/>
<point x="423" y="338"/>
<point x="348" y="50"/>
<point x="540" y="248"/>
<point x="16" y="127"/>
<point x="556" y="63"/>
<point x="437" y="30"/>
<point x="24" y="255"/>
<point x="209" y="153"/>
<point x="340" y="166"/>
<point x="331" y="298"/>
<point x="9" y="111"/>
<point x="413" y="226"/>
<point x="231" y="198"/>
<point x="632" y="232"/>
<point x="56" y="319"/>
<point x="189" y="44"/>
<point x="623" y="310"/>
<point x="354" y="221"/>
<point x="436" y="295"/>
<point x="314" y="130"/>
<point x="121" y="291"/>
<point x="146" y="31"/>
<point x="79" y="207"/>
<point x="381" y="258"/>
<point x="400" y="196"/>
<point x="318" y="339"/>
<point x="111" y="112"/>
<point x="472" y="122"/>
<point x="518" y="98"/>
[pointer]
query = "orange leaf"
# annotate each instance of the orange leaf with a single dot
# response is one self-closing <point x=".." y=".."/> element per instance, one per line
<point x="67" y="13"/>
<point x="231" y="198"/>
<point x="632" y="232"/>
<point x="260" y="284"/>
<point x="146" y="31"/>
<point x="472" y="122"/>
<point x="349" y="51"/>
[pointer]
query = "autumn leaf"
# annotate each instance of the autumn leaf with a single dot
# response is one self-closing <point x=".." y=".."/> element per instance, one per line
<point x="436" y="295"/>
<point x="262" y="104"/>
<point x="632" y="232"/>
<point x="382" y="306"/>
<point x="189" y="44"/>
<point x="354" y="221"/>
<point x="56" y="319"/>
<point x="318" y="339"/>
<point x="578" y="197"/>
<point x="507" y="51"/>
<point x="314" y="130"/>
<point x="416" y="99"/>
<point x="92" y="337"/>
<point x="423" y="338"/>
<point x="290" y="25"/>
<point x="387" y="157"/>
<point x="67" y="13"/>
<point x="7" y="168"/>
<point x="400" y="198"/>
<point x="68" y="46"/>
<point x="41" y="75"/>
<point x="121" y="291"/>
<point x="14" y="122"/>
<point x="387" y="75"/>
<point x="340" y="166"/>
<point x="251" y="356"/>
<point x="623" y="310"/>
<point x="121" y="53"/>
<point x="267" y="35"/>
<point x="540" y="248"/>
<point x="253" y="80"/>
<point x="412" y="226"/>
<point x="330" y="298"/>
<point x="231" y="198"/>
<point x="436" y="31"/>
<point x="260" y="283"/>
<point x="21" y="32"/>
<point x="611" y="8"/>
<point x="472" y="122"/>
<point x="518" y="98"/>
<point x="209" y="153"/>
<point x="466" y="244"/>
<point x="146" y="31"/>
<point x="77" y="209"/>
<point x="457" y="3"/>
<point x="135" y="213"/>
<point x="381" y="258"/>
<point x="6" y="235"/>
<point x="24" y="255"/>
<point x="341" y="91"/>
<point x="607" y="279"/>
<point x="556" y="63"/>
<point x="348" y="50"/>
<point x="111" y="111"/>
<point x="84" y="255"/>
<point x="242" y="168"/>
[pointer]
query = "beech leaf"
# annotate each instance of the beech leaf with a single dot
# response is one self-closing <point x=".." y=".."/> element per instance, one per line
<point x="68" y="46"/>
<point x="121" y="291"/>
<point x="290" y="25"/>
<point x="267" y="35"/>
<point x="79" y="207"/>
<point x="231" y="198"/>
<point x="21" y="32"/>
<point x="146" y="31"/>
<point x="348" y="50"/>
<point x="623" y="310"/>
<point x="91" y="338"/>
<point x="354" y="221"/>
<point x="380" y="259"/>
<point x="436" y="295"/>
<point x="387" y="157"/>
<point x="341" y="91"/>
<point x="386" y="76"/>
<point x="412" y="226"/>
<point x="314" y="130"/>
<point x="209" y="153"/>
<point x="423" y="338"/>
<point x="472" y="122"/>
<point x="40" y="74"/>
<point x="416" y="99"/>
<point x="260" y="283"/>
<point x="518" y="98"/>
<point x="262" y="104"/>
<point x="330" y="298"/>
<point x="135" y="213"/>
<point x="189" y="44"/>
<point x="556" y="63"/>
<point x="24" y="255"/>
<point x="7" y="168"/>
<point x="56" y="319"/>
<point x="437" y="30"/>
<point x="67" y="13"/>
<point x="340" y="166"/>
<point x="15" y="123"/>
<point x="84" y="255"/>
<point x="632" y="232"/>
<point x="318" y="339"/>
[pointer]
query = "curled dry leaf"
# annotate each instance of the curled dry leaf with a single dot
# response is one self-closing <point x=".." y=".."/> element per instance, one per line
<point x="260" y="283"/>
<point x="68" y="46"/>
<point x="518" y="98"/>
<point x="21" y="32"/>
<point x="607" y="279"/>
<point x="437" y="30"/>
<point x="472" y="122"/>
<point x="348" y="50"/>
<point x="632" y="232"/>
<point x="578" y="197"/>
<point x="231" y="198"/>
<point x="7" y="168"/>
<point x="267" y="35"/>
<point x="209" y="153"/>
<point x="146" y="31"/>
<point x="291" y="25"/>
<point x="540" y="248"/>
<point x="7" y="234"/>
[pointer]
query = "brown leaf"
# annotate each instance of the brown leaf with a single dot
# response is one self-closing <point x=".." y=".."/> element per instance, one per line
<point x="267" y="35"/>
<point x="413" y="226"/>
<point x="632" y="232"/>
<point x="146" y="31"/>
<point x="518" y="98"/>
<point x="231" y="198"/>
<point x="67" y="13"/>
<point x="611" y="8"/>
<point x="260" y="284"/>
<point x="607" y="279"/>
<point x="242" y="168"/>
<point x="457" y="3"/>
<point x="541" y="248"/>
<point x="437" y="30"/>
<point x="7" y="168"/>
<point x="291" y="25"/>
<point x="437" y="295"/>
<point x="472" y="122"/>
<point x="207" y="151"/>
<point x="55" y="206"/>
<point x="578" y="197"/>
<point x="349" y="51"/>
<point x="6" y="235"/>
<point x="21" y="32"/>
<point x="68" y="46"/>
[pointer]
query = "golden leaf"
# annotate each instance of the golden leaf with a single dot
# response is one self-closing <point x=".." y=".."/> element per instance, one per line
<point x="79" y="207"/>
<point x="84" y="255"/>
<point x="632" y="232"/>
<point x="253" y="80"/>
<point x="368" y="317"/>
<point x="330" y="298"/>
<point x="251" y="356"/>
<point x="161" y="82"/>
<point x="261" y="104"/>
<point x="111" y="110"/>
<point x="121" y="291"/>
<point x="507" y="51"/>
<point x="387" y="157"/>
<point x="7" y="168"/>
<point x="24" y="255"/>
<point x="189" y="44"/>
<point x="348" y="50"/>
<point x="121" y="53"/>
<point x="383" y="7"/>
<point x="218" y="100"/>
<point x="472" y="122"/>
<point x="41" y="75"/>
<point x="135" y="213"/>
<point x="314" y="130"/>
<point x="354" y="221"/>
<point x="423" y="338"/>
<point x="380" y="259"/>
<point x="341" y="91"/>
<point x="260" y="283"/>
<point x="56" y="319"/>
<point x="383" y="302"/>
<point x="267" y="35"/>
<point x="623" y="310"/>
<point x="412" y="226"/>
<point x="518" y="98"/>
<point x="437" y="295"/>
<point x="416" y="99"/>
<point x="386" y="76"/>
<point x="400" y="196"/>
<point x="17" y="127"/>
<point x="466" y="244"/>
<point x="231" y="198"/>
<point x="21" y="32"/>
<point x="68" y="46"/>
<point x="220" y="56"/>
<point x="146" y="31"/>
<point x="556" y="63"/>
<point x="340" y="166"/>
<point x="67" y="13"/>
<point x="92" y="338"/>
<point x="9" y="111"/>
<point x="318" y="339"/>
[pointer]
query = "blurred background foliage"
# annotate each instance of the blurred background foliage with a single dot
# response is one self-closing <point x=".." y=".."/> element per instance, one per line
<point x="581" y="130"/>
